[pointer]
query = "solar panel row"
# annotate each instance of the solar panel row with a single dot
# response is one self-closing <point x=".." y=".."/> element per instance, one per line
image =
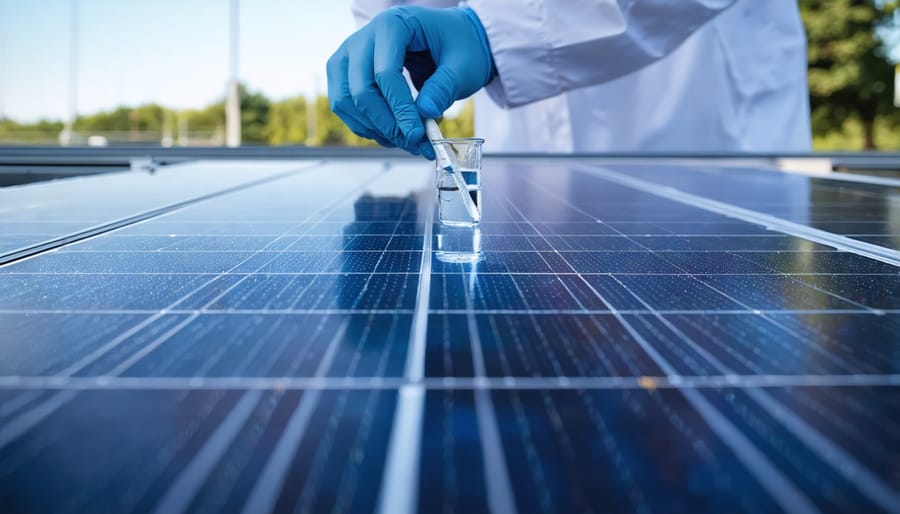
<point x="295" y="345"/>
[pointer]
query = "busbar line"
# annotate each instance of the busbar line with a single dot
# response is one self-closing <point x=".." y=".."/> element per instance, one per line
<point x="192" y="477"/>
<point x="22" y="423"/>
<point x="839" y="242"/>
<point x="59" y="242"/>
<point x="268" y="485"/>
<point x="734" y="381"/>
<point x="480" y="312"/>
<point x="90" y="358"/>
<point x="496" y="474"/>
<point x="415" y="364"/>
<point x="489" y="250"/>
<point x="400" y="484"/>
<point x="149" y="347"/>
<point x="838" y="176"/>
<point x="833" y="176"/>
<point x="484" y="273"/>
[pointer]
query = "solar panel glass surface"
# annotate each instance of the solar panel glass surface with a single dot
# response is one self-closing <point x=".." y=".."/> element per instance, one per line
<point x="297" y="345"/>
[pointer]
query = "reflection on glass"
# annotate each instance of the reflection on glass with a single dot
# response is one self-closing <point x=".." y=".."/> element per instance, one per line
<point x="458" y="244"/>
<point x="376" y="220"/>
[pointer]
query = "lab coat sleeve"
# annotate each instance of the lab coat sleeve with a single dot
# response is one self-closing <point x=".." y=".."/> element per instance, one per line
<point x="542" y="48"/>
<point x="365" y="10"/>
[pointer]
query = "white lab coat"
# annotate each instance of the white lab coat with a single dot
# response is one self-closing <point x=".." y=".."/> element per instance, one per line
<point x="640" y="75"/>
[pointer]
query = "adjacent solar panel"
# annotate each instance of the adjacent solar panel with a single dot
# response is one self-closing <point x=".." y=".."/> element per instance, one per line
<point x="41" y="217"/>
<point x="632" y="339"/>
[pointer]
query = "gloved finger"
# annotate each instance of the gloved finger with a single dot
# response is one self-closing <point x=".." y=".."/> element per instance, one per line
<point x="427" y="150"/>
<point x="382" y="141"/>
<point x="341" y="102"/>
<point x="437" y="94"/>
<point x="420" y="148"/>
<point x="367" y="98"/>
<point x="413" y="149"/>
<point x="362" y="131"/>
<point x="391" y="42"/>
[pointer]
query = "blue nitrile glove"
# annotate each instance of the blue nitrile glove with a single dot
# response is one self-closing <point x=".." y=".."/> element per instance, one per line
<point x="446" y="52"/>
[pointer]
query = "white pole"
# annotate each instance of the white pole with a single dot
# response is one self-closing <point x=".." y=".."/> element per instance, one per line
<point x="183" y="137"/>
<point x="233" y="100"/>
<point x="311" y="113"/>
<point x="65" y="138"/>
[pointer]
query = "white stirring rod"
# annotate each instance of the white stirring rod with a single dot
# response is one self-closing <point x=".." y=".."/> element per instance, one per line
<point x="434" y="134"/>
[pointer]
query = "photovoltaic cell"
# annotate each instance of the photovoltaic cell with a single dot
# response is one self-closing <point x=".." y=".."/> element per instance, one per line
<point x="35" y="214"/>
<point x="295" y="344"/>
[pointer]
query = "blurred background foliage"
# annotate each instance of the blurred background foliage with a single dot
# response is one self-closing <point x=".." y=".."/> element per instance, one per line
<point x="851" y="83"/>
<point x="263" y="122"/>
<point x="851" y="76"/>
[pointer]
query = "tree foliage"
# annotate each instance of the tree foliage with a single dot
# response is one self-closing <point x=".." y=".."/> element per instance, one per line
<point x="263" y="121"/>
<point x="41" y="132"/>
<point x="254" y="116"/>
<point x="462" y="125"/>
<point x="850" y="73"/>
<point x="287" y="123"/>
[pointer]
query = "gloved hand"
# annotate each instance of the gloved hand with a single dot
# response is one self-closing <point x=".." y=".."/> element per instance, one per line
<point x="446" y="52"/>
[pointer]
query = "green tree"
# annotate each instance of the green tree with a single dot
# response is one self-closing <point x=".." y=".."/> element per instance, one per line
<point x="147" y="118"/>
<point x="108" y="121"/>
<point x="287" y="122"/>
<point x="255" y="109"/>
<point x="254" y="116"/>
<point x="331" y="131"/>
<point x="209" y="119"/>
<point x="262" y="121"/>
<point x="41" y="132"/>
<point x="850" y="74"/>
<point x="462" y="125"/>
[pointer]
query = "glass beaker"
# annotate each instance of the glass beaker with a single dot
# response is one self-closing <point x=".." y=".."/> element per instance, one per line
<point x="465" y="156"/>
<point x="458" y="245"/>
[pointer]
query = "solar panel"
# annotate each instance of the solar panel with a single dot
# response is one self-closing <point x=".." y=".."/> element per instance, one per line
<point x="635" y="337"/>
<point x="38" y="217"/>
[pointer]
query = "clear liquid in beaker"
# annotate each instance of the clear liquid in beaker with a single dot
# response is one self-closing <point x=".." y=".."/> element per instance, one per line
<point x="452" y="210"/>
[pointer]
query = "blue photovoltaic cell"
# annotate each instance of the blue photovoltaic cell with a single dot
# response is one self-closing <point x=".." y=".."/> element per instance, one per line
<point x="76" y="291"/>
<point x="48" y="343"/>
<point x="42" y="212"/>
<point x="345" y="428"/>
<point x="588" y="460"/>
<point x="299" y="345"/>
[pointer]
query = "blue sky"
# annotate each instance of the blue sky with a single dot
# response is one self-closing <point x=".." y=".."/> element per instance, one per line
<point x="174" y="52"/>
